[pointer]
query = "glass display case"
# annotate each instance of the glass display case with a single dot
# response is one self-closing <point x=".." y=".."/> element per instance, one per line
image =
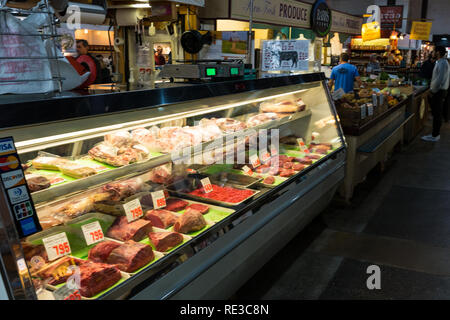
<point x="149" y="194"/>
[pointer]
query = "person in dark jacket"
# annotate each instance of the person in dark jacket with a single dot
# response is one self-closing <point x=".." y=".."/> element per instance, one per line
<point x="89" y="62"/>
<point x="426" y="71"/>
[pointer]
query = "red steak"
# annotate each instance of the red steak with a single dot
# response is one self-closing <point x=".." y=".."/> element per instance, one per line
<point x="131" y="256"/>
<point x="161" y="218"/>
<point x="96" y="277"/>
<point x="199" y="207"/>
<point x="269" y="180"/>
<point x="191" y="220"/>
<point x="175" y="204"/>
<point x="164" y="241"/>
<point x="123" y="231"/>
<point x="101" y="251"/>
<point x="298" y="167"/>
<point x="313" y="156"/>
<point x="287" y="165"/>
<point x="286" y="172"/>
<point x="304" y="160"/>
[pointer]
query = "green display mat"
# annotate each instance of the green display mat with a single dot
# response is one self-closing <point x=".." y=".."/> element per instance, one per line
<point x="98" y="294"/>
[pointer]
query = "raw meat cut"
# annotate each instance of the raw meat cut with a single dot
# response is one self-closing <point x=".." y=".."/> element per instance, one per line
<point x="36" y="182"/>
<point x="97" y="277"/>
<point x="119" y="139"/>
<point x="48" y="163"/>
<point x="287" y="165"/>
<point x="286" y="106"/>
<point x="122" y="189"/>
<point x="114" y="156"/>
<point x="199" y="207"/>
<point x="261" y="118"/>
<point x="227" y="125"/>
<point x="304" y="160"/>
<point x="161" y="174"/>
<point x="161" y="218"/>
<point x="269" y="180"/>
<point x="175" y="205"/>
<point x="313" y="156"/>
<point x="76" y="170"/>
<point x="190" y="221"/>
<point x="101" y="251"/>
<point x="274" y="171"/>
<point x="286" y="172"/>
<point x="262" y="169"/>
<point x="131" y="256"/>
<point x="77" y="207"/>
<point x="225" y="194"/>
<point x="298" y="167"/>
<point x="135" y="230"/>
<point x="164" y="241"/>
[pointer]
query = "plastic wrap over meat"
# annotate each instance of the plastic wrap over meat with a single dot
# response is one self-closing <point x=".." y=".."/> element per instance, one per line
<point x="114" y="156"/>
<point x="195" y="134"/>
<point x="119" y="139"/>
<point x="161" y="174"/>
<point x="210" y="131"/>
<point x="261" y="118"/>
<point x="123" y="189"/>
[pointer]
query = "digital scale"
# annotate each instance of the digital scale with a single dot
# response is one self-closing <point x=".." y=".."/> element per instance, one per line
<point x="203" y="69"/>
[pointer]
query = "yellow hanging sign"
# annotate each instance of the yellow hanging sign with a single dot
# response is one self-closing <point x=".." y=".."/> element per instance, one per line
<point x="420" y="30"/>
<point x="371" y="31"/>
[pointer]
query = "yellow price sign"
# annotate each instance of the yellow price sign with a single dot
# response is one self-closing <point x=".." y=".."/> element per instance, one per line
<point x="420" y="30"/>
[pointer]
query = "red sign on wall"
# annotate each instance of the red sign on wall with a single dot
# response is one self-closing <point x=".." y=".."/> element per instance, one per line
<point x="391" y="15"/>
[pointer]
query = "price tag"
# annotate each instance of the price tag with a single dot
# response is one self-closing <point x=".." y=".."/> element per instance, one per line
<point x="254" y="160"/>
<point x="247" y="170"/>
<point x="159" y="199"/>
<point x="65" y="293"/>
<point x="265" y="157"/>
<point x="207" y="186"/>
<point x="93" y="232"/>
<point x="273" y="151"/>
<point x="370" y="109"/>
<point x="363" y="112"/>
<point x="302" y="144"/>
<point x="133" y="210"/>
<point x="56" y="246"/>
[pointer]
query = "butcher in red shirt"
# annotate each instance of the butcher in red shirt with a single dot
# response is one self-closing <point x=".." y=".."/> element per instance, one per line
<point x="89" y="62"/>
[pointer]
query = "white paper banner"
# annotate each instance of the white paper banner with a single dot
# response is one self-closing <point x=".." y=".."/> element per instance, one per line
<point x="285" y="55"/>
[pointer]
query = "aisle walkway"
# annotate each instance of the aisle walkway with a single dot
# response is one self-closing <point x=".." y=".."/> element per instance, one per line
<point x="399" y="220"/>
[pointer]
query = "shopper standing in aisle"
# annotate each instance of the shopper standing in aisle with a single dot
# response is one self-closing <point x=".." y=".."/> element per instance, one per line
<point x="439" y="86"/>
<point x="344" y="75"/>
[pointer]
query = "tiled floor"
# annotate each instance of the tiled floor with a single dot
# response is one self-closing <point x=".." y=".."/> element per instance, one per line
<point x="399" y="220"/>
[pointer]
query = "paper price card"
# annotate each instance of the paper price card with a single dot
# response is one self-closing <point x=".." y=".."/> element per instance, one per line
<point x="254" y="160"/>
<point x="56" y="246"/>
<point x="207" y="186"/>
<point x="66" y="293"/>
<point x="92" y="232"/>
<point x="301" y="144"/>
<point x="247" y="170"/>
<point x="133" y="210"/>
<point x="265" y="157"/>
<point x="159" y="199"/>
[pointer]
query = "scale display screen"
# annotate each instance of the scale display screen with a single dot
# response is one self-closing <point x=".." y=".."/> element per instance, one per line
<point x="210" y="72"/>
<point x="234" y="71"/>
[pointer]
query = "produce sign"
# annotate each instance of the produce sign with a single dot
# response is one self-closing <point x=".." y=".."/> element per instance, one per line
<point x="56" y="246"/>
<point x="420" y="30"/>
<point x="92" y="232"/>
<point x="133" y="209"/>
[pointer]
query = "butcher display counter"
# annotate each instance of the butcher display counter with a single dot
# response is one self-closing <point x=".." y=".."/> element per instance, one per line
<point x="170" y="193"/>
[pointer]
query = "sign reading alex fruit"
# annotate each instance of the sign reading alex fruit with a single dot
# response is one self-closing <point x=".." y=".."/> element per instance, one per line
<point x="420" y="30"/>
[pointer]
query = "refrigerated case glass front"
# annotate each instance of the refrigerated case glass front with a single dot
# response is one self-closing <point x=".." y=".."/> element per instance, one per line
<point x="125" y="197"/>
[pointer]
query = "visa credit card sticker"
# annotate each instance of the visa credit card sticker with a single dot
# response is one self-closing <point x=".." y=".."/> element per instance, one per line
<point x="7" y="146"/>
<point x="13" y="178"/>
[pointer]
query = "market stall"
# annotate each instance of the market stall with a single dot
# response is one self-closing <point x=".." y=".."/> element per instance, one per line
<point x="374" y="121"/>
<point x="180" y="192"/>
